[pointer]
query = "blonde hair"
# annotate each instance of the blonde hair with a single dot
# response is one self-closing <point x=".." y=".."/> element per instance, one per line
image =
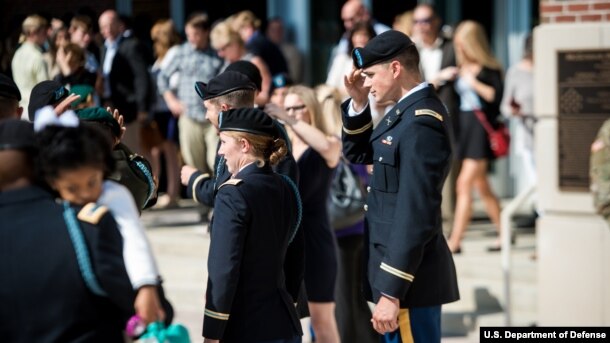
<point x="404" y="23"/>
<point x="264" y="148"/>
<point x="164" y="36"/>
<point x="243" y="19"/>
<point x="222" y="35"/>
<point x="308" y="97"/>
<point x="329" y="98"/>
<point x="474" y="45"/>
<point x="31" y="25"/>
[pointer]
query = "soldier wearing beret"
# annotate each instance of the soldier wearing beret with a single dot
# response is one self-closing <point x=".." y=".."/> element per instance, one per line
<point x="45" y="294"/>
<point x="229" y="90"/>
<point x="256" y="214"/>
<point x="410" y="270"/>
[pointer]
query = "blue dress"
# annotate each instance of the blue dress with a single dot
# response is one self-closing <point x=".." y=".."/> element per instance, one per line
<point x="320" y="245"/>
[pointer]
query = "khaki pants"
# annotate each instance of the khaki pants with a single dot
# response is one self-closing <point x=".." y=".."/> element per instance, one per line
<point x="198" y="143"/>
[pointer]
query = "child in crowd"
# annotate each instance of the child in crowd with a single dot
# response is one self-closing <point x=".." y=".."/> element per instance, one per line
<point x="76" y="161"/>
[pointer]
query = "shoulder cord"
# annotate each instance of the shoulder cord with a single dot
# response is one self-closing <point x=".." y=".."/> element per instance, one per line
<point x="149" y="179"/>
<point x="82" y="254"/>
<point x="299" y="206"/>
<point x="219" y="168"/>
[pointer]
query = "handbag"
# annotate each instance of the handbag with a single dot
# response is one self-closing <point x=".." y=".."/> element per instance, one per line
<point x="499" y="139"/>
<point x="135" y="172"/>
<point x="347" y="197"/>
<point x="157" y="332"/>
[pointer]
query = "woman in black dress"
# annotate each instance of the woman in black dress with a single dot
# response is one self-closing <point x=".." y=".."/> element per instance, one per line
<point x="479" y="84"/>
<point x="317" y="152"/>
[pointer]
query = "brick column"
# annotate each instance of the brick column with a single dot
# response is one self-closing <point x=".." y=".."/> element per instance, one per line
<point x="574" y="11"/>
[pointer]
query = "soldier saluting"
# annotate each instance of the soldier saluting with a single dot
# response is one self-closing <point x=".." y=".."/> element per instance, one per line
<point x="410" y="270"/>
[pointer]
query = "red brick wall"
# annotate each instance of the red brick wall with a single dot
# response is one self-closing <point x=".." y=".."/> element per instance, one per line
<point x="572" y="11"/>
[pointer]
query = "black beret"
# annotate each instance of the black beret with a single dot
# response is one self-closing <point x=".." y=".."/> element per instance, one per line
<point x="249" y="69"/>
<point x="8" y="88"/>
<point x="16" y="134"/>
<point x="45" y="93"/>
<point x="100" y="115"/>
<point x="280" y="81"/>
<point x="227" y="82"/>
<point x="251" y="120"/>
<point x="381" y="48"/>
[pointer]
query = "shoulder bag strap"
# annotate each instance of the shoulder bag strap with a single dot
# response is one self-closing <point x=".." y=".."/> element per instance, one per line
<point x="299" y="206"/>
<point x="82" y="253"/>
<point x="483" y="119"/>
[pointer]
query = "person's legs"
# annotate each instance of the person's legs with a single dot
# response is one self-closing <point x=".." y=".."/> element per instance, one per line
<point x="192" y="143"/>
<point x="132" y="136"/>
<point x="463" y="206"/>
<point x="492" y="206"/>
<point x="323" y="322"/>
<point x="417" y="325"/>
<point x="210" y="137"/>
<point x="170" y="152"/>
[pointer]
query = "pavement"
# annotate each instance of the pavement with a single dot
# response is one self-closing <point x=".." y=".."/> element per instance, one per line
<point x="180" y="242"/>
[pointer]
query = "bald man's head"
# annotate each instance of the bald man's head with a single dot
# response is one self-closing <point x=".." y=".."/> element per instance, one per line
<point x="110" y="25"/>
<point x="353" y="11"/>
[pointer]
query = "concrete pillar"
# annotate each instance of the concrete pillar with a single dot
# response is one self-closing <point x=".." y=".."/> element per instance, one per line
<point x="573" y="242"/>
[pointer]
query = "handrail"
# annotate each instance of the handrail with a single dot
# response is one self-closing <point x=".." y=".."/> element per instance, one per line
<point x="506" y="234"/>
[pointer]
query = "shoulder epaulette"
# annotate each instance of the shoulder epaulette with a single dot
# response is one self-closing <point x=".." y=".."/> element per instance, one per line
<point x="427" y="112"/>
<point x="232" y="182"/>
<point x="92" y="213"/>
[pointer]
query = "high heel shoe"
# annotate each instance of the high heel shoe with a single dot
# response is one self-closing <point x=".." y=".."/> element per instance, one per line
<point x="498" y="247"/>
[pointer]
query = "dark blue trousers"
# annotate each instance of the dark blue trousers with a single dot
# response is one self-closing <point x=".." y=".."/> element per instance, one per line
<point x="416" y="325"/>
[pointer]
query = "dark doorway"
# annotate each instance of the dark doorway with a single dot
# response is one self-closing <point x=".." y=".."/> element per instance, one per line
<point x="223" y="9"/>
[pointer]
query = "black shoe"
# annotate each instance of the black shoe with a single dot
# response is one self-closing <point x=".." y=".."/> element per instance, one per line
<point x="494" y="248"/>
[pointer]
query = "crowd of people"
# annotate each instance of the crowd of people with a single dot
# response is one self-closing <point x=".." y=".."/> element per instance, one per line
<point x="223" y="114"/>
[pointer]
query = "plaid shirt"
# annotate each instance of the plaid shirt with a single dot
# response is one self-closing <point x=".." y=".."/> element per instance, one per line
<point x="192" y="65"/>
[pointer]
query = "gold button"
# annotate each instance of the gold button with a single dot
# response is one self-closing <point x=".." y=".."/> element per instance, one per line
<point x="366" y="207"/>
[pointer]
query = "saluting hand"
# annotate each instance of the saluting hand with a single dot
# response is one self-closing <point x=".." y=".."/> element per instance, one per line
<point x="280" y="114"/>
<point x="186" y="173"/>
<point x="385" y="315"/>
<point x="354" y="85"/>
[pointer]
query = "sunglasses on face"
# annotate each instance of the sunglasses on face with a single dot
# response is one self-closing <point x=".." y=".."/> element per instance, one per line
<point x="423" y="21"/>
<point x="294" y="108"/>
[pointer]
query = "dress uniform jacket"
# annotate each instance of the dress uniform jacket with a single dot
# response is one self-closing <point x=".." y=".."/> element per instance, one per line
<point x="43" y="294"/>
<point x="202" y="188"/>
<point x="408" y="257"/>
<point x="246" y="299"/>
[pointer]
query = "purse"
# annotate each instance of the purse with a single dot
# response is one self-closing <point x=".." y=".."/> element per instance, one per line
<point x="347" y="197"/>
<point x="159" y="333"/>
<point x="499" y="139"/>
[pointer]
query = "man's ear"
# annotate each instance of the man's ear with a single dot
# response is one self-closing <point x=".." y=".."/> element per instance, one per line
<point x="396" y="68"/>
<point x="224" y="107"/>
<point x="19" y="112"/>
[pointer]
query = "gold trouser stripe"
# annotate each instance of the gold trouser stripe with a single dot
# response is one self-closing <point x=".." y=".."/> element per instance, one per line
<point x="360" y="130"/>
<point x="404" y="325"/>
<point x="216" y="315"/>
<point x="426" y="112"/>
<point x="396" y="272"/>
<point x="199" y="178"/>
